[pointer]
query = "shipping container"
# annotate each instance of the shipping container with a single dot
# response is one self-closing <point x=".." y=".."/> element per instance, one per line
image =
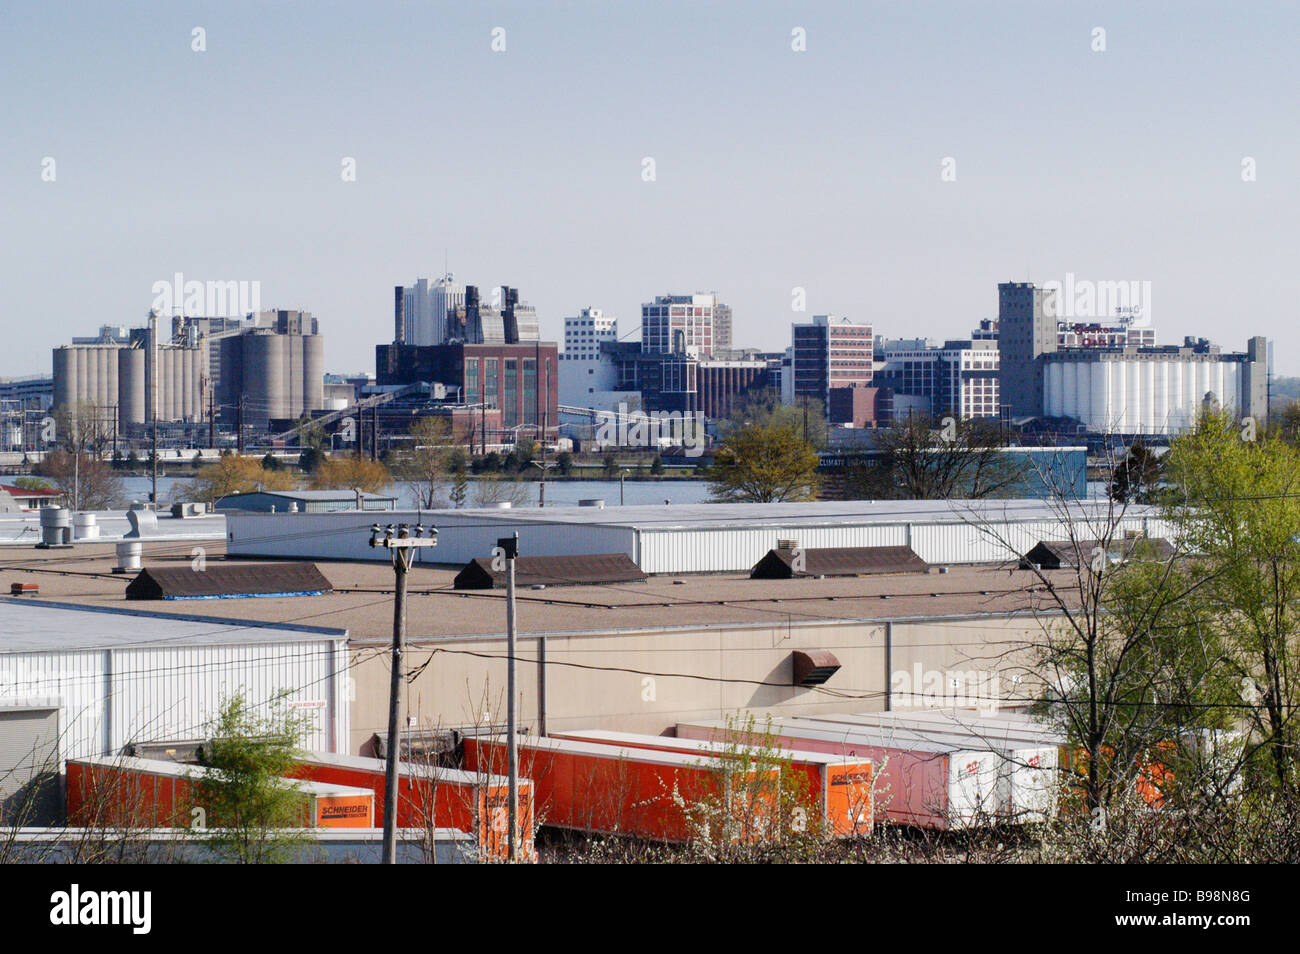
<point x="930" y="784"/>
<point x="1028" y="776"/>
<point x="149" y="793"/>
<point x="1217" y="751"/>
<point x="430" y="796"/>
<point x="838" y="790"/>
<point x="617" y="790"/>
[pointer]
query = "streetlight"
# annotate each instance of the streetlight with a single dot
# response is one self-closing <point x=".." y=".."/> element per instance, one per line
<point x="621" y="478"/>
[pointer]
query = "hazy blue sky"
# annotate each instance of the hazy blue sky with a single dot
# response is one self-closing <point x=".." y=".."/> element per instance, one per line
<point x="775" y="168"/>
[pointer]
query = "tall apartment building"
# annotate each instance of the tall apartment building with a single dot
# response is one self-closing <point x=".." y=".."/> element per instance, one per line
<point x="830" y="352"/>
<point x="679" y="324"/>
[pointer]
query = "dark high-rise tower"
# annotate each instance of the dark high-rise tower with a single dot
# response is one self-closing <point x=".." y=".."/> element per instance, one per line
<point x="1026" y="330"/>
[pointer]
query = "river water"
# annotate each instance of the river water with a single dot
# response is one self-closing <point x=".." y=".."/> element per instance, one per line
<point x="558" y="493"/>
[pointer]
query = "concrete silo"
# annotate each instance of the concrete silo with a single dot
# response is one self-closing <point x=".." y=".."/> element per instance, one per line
<point x="132" y="389"/>
<point x="313" y="373"/>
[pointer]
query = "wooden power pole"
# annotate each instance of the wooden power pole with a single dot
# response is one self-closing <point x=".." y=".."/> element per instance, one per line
<point x="403" y="546"/>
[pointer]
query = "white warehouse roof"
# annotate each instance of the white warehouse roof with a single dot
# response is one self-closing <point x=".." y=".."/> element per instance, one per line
<point x="40" y="626"/>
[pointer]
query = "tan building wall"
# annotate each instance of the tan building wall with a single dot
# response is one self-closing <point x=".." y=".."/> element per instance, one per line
<point x="628" y="680"/>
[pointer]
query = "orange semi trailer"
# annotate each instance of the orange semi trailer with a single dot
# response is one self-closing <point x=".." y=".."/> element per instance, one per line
<point x="149" y="793"/>
<point x="838" y="789"/>
<point x="592" y="787"/>
<point x="431" y="796"/>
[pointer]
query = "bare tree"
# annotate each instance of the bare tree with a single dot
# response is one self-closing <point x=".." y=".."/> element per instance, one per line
<point x="424" y="469"/>
<point x="920" y="459"/>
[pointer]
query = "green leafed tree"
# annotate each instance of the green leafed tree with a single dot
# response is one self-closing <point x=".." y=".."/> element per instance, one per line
<point x="251" y="807"/>
<point x="763" y="407"/>
<point x="1237" y="502"/>
<point x="764" y="464"/>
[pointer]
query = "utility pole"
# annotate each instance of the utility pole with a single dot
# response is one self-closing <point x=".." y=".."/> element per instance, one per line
<point x="212" y="417"/>
<point x="76" y="461"/>
<point x="403" y="547"/>
<point x="374" y="434"/>
<point x="153" y="399"/>
<point x="239" y="425"/>
<point x="509" y="547"/>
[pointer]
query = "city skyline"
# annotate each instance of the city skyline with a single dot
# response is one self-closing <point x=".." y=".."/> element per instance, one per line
<point x="775" y="169"/>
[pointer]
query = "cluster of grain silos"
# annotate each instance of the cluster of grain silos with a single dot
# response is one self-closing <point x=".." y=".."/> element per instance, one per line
<point x="1140" y="394"/>
<point x="86" y="373"/>
<point x="280" y="376"/>
<point x="117" y="376"/>
<point x="273" y="368"/>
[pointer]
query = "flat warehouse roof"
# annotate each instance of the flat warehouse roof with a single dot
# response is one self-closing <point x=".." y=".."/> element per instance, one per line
<point x="361" y="600"/>
<point x="37" y="626"/>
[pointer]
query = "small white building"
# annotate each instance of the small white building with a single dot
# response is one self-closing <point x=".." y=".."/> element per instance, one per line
<point x="79" y="681"/>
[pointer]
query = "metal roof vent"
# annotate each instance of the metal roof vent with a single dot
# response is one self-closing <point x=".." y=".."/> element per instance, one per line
<point x="813" y="667"/>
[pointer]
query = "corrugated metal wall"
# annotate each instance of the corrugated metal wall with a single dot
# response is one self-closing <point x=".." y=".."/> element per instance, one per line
<point x="730" y="550"/>
<point x="671" y="550"/>
<point x="112" y="697"/>
<point x="461" y="538"/>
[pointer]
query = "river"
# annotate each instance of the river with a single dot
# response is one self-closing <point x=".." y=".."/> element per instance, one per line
<point x="558" y="492"/>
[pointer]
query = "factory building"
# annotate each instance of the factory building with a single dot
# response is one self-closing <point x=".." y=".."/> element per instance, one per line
<point x="276" y="367"/>
<point x="635" y="656"/>
<point x="519" y="380"/>
<point x="115" y="378"/>
<point x="274" y="362"/>
<point x="1112" y="387"/>
<point x="1154" y="391"/>
<point x="704" y="538"/>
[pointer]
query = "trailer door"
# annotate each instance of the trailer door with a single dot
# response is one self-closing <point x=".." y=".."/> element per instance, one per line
<point x="29" y="767"/>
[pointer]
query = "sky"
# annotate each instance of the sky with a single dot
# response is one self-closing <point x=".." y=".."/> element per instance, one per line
<point x="828" y="169"/>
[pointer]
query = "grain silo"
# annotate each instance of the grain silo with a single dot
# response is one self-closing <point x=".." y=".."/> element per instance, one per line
<point x="86" y="374"/>
<point x="132" y="393"/>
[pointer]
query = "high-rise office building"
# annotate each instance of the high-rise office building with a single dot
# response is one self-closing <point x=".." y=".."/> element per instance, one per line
<point x="584" y="333"/>
<point x="421" y="311"/>
<point x="956" y="378"/>
<point x="722" y="336"/>
<point x="830" y="352"/>
<point x="679" y="324"/>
